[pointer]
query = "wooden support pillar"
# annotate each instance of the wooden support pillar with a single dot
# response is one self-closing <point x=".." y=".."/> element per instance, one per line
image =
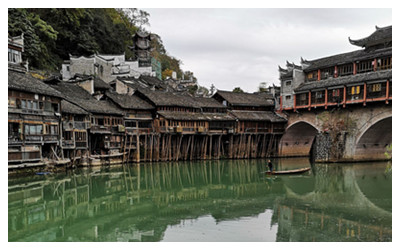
<point x="137" y="148"/>
<point x="309" y="100"/>
<point x="387" y="92"/>
<point x="294" y="102"/>
<point x="375" y="65"/>
<point x="280" y="104"/>
<point x="326" y="98"/>
<point x="344" y="96"/>
<point x="230" y="154"/>
<point x="335" y="73"/>
<point x="151" y="148"/>
<point x="319" y="75"/>
<point x="365" y="94"/>
<point x="354" y="68"/>
<point x="211" y="151"/>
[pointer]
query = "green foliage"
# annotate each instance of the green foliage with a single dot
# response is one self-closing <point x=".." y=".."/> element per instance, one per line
<point x="51" y="35"/>
<point x="237" y="90"/>
<point x="193" y="89"/>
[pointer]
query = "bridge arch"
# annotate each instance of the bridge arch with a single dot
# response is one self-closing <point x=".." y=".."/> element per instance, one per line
<point x="298" y="139"/>
<point x="372" y="140"/>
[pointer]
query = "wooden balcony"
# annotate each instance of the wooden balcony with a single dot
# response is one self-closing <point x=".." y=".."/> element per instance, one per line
<point x="21" y="156"/>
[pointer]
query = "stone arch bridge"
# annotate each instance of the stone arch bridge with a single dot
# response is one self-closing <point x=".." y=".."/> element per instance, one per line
<point x="358" y="133"/>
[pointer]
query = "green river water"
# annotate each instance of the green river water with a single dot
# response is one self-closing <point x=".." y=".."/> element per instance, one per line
<point x="204" y="201"/>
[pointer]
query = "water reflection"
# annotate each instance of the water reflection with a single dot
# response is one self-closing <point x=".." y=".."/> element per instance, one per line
<point x="152" y="202"/>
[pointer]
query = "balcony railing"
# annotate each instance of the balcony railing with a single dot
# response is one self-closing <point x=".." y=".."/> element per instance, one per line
<point x="68" y="144"/>
<point x="81" y="144"/>
<point x="50" y="138"/>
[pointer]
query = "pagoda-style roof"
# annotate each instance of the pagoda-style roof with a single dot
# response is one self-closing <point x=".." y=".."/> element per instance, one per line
<point x="348" y="57"/>
<point x="380" y="36"/>
<point x="27" y="83"/>
<point x="127" y="101"/>
<point x="245" y="99"/>
<point x="345" y="80"/>
<point x="268" y="116"/>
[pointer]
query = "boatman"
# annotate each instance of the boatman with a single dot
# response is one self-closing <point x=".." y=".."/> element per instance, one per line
<point x="270" y="166"/>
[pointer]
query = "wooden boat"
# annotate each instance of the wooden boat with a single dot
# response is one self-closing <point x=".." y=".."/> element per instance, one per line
<point x="292" y="171"/>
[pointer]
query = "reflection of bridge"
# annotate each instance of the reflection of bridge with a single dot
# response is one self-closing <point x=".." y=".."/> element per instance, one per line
<point x="138" y="203"/>
<point x="328" y="211"/>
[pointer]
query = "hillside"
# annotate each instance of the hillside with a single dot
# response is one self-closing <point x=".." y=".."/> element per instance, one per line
<point x="51" y="35"/>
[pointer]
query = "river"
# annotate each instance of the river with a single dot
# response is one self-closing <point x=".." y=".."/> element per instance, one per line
<point x="212" y="201"/>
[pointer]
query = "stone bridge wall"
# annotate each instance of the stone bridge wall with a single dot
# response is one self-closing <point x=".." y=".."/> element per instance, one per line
<point x="354" y="133"/>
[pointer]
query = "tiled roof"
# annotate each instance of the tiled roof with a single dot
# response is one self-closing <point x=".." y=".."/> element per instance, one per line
<point x="100" y="84"/>
<point x="344" y="80"/>
<point x="25" y="82"/>
<point x="268" y="116"/>
<point x="126" y="101"/>
<point x="246" y="99"/>
<point x="80" y="97"/>
<point x="346" y="58"/>
<point x="193" y="116"/>
<point x="70" y="108"/>
<point x="380" y="35"/>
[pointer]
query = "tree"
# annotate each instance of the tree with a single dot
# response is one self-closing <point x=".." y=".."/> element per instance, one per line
<point x="237" y="90"/>
<point x="193" y="89"/>
<point x="212" y="89"/>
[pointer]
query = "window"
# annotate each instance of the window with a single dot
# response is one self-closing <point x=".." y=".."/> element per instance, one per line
<point x="288" y="83"/>
<point x="12" y="102"/>
<point x="355" y="90"/>
<point x="53" y="129"/>
<point x="376" y="87"/>
<point x="288" y="97"/>
<point x="100" y="121"/>
<point x="33" y="129"/>
<point x="336" y="92"/>
<point x="67" y="135"/>
<point x="346" y="69"/>
<point x="385" y="63"/>
<point x="312" y="75"/>
<point x="10" y="55"/>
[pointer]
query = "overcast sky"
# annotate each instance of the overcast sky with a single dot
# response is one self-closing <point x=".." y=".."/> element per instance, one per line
<point x="243" y="47"/>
